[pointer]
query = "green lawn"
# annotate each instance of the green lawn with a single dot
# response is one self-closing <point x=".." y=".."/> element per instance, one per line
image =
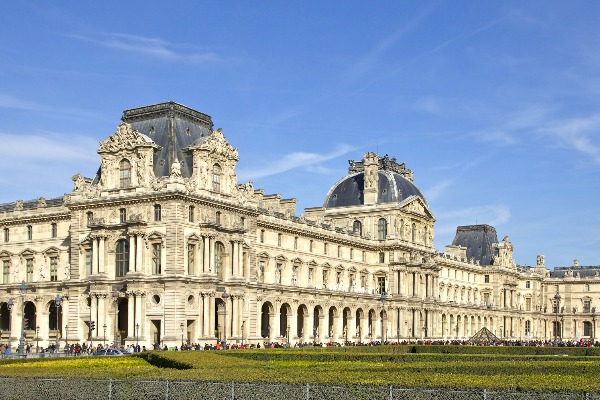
<point x="395" y="365"/>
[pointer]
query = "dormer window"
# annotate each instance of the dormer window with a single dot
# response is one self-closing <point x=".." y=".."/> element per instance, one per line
<point x="125" y="174"/>
<point x="216" y="180"/>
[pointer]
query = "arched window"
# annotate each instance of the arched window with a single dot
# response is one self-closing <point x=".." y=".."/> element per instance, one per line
<point x="381" y="229"/>
<point x="125" y="173"/>
<point x="219" y="261"/>
<point x="122" y="258"/>
<point x="157" y="212"/>
<point x="357" y="227"/>
<point x="216" y="181"/>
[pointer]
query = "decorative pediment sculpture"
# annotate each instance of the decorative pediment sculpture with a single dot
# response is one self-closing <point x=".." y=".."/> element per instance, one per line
<point x="126" y="138"/>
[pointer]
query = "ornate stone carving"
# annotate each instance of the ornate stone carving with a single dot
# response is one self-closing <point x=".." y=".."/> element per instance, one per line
<point x="124" y="139"/>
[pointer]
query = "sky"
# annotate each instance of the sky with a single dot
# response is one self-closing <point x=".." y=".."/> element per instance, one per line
<point x="493" y="104"/>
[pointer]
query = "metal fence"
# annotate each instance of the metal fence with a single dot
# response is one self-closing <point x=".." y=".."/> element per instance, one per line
<point x="66" y="389"/>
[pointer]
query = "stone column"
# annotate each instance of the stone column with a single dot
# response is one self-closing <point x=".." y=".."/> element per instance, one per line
<point x="94" y="255"/>
<point x="101" y="253"/>
<point x="132" y="247"/>
<point x="139" y="258"/>
<point x="130" y="314"/>
<point x="206" y="254"/>
<point x="233" y="271"/>
<point x="211" y="312"/>
<point x="206" y="315"/>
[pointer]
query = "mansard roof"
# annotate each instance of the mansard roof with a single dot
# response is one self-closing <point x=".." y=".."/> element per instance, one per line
<point x="173" y="127"/>
<point x="479" y="241"/>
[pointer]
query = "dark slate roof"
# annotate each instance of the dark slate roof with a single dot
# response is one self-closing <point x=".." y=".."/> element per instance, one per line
<point x="583" y="271"/>
<point x="392" y="188"/>
<point x="479" y="241"/>
<point x="32" y="204"/>
<point x="173" y="127"/>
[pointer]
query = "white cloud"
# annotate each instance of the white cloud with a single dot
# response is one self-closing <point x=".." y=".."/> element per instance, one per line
<point x="291" y="161"/>
<point x="437" y="190"/>
<point x="490" y="214"/>
<point x="151" y="47"/>
<point x="11" y="102"/>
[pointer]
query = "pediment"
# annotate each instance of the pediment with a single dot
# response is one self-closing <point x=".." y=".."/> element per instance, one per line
<point x="416" y="205"/>
<point x="297" y="261"/>
<point x="52" y="250"/>
<point x="217" y="146"/>
<point x="5" y="254"/>
<point x="126" y="138"/>
<point x="263" y="255"/>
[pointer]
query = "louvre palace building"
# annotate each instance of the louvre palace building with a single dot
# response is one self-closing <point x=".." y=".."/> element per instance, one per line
<point x="164" y="246"/>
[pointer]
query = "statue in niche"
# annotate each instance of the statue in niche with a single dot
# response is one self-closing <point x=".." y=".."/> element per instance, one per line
<point x="175" y="169"/>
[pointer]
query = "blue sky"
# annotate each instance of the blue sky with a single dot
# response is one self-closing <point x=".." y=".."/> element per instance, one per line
<point x="493" y="105"/>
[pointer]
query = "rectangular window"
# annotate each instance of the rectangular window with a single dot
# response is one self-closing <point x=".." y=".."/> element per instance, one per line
<point x="382" y="257"/>
<point x="191" y="214"/>
<point x="157" y="213"/>
<point x="339" y="251"/>
<point x="486" y="279"/>
<point x="5" y="271"/>
<point x="54" y="230"/>
<point x="88" y="262"/>
<point x="156" y="258"/>
<point x="123" y="215"/>
<point x="6" y="234"/>
<point x="381" y="285"/>
<point x="29" y="232"/>
<point x="29" y="269"/>
<point x="191" y="258"/>
<point x="586" y="306"/>
<point x="279" y="239"/>
<point x="527" y="285"/>
<point x="586" y="287"/>
<point x="296" y="243"/>
<point x="311" y="246"/>
<point x="325" y="248"/>
<point x="364" y="256"/>
<point x="352" y="254"/>
<point x="528" y="304"/>
<point x="53" y="269"/>
<point x="262" y="236"/>
<point x="363" y="282"/>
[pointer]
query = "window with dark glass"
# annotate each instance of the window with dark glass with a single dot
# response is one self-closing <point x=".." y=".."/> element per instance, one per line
<point x="157" y="212"/>
<point x="122" y="258"/>
<point x="156" y="259"/>
<point x="5" y="271"/>
<point x="216" y="181"/>
<point x="124" y="174"/>
<point x="54" y="230"/>
<point x="123" y="215"/>
<point x="88" y="262"/>
<point x="53" y="269"/>
<point x="357" y="227"/>
<point x="191" y="214"/>
<point x="381" y="229"/>
<point x="29" y="232"/>
<point x="29" y="269"/>
<point x="90" y="217"/>
<point x="6" y="234"/>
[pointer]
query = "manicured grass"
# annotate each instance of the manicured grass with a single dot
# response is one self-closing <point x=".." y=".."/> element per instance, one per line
<point x="395" y="366"/>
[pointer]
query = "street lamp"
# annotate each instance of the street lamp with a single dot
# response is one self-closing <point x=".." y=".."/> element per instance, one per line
<point x="181" y="326"/>
<point x="225" y="296"/>
<point x="137" y="334"/>
<point x="37" y="339"/>
<point x="22" y="291"/>
<point x="243" y="325"/>
<point x="57" y="304"/>
<point x="104" y="338"/>
<point x="557" y="305"/>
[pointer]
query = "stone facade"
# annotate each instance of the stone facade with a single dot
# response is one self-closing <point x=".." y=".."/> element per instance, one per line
<point x="193" y="256"/>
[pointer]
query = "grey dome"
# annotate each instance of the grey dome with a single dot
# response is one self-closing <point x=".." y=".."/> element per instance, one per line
<point x="392" y="187"/>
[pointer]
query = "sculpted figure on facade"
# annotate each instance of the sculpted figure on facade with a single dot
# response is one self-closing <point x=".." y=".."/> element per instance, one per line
<point x="175" y="169"/>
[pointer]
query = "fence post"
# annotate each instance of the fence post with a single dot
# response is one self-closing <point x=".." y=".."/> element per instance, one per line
<point x="307" y="391"/>
<point x="110" y="389"/>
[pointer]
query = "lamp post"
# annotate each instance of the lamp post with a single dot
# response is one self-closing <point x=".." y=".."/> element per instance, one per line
<point x="10" y="306"/>
<point x="243" y="325"/>
<point x="66" y="336"/>
<point x="57" y="304"/>
<point x="382" y="298"/>
<point x="37" y="339"/>
<point x="137" y="336"/>
<point x="181" y="326"/>
<point x="104" y="337"/>
<point x="115" y="296"/>
<point x="225" y="296"/>
<point x="557" y="306"/>
<point x="22" y="291"/>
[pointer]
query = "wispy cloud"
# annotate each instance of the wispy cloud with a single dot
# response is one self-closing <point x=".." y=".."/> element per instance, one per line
<point x="14" y="103"/>
<point x="309" y="161"/>
<point x="150" y="47"/>
<point x="491" y="214"/>
<point x="437" y="190"/>
<point x="576" y="133"/>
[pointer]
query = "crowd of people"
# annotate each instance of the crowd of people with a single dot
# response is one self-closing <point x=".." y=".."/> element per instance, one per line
<point x="77" y="349"/>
